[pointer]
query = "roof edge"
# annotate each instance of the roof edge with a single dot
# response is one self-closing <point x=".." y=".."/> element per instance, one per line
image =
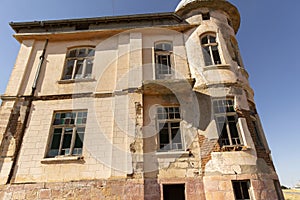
<point x="223" y="5"/>
<point x="16" y="26"/>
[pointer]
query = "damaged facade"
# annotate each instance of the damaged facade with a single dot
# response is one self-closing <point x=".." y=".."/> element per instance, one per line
<point x="150" y="106"/>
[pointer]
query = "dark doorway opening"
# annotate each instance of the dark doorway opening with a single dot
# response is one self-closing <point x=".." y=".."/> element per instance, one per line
<point x="174" y="192"/>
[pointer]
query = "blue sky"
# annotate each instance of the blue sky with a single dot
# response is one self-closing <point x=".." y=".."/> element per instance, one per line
<point x="265" y="40"/>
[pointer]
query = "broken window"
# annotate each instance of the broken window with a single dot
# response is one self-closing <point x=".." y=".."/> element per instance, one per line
<point x="163" y="54"/>
<point x="79" y="63"/>
<point x="226" y="119"/>
<point x="168" y="121"/>
<point x="278" y="190"/>
<point x="206" y="16"/>
<point x="241" y="189"/>
<point x="257" y="133"/>
<point x="67" y="136"/>
<point x="174" y="192"/>
<point x="229" y="22"/>
<point x="210" y="50"/>
<point x="236" y="55"/>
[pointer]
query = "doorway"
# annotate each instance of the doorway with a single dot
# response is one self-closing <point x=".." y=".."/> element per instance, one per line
<point x="174" y="192"/>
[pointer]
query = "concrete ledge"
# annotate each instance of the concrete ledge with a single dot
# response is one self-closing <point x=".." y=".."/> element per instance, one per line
<point x="172" y="154"/>
<point x="76" y="80"/>
<point x="214" y="67"/>
<point x="63" y="159"/>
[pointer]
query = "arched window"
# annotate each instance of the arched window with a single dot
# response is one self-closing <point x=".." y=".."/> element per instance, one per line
<point x="163" y="51"/>
<point x="210" y="50"/>
<point x="79" y="63"/>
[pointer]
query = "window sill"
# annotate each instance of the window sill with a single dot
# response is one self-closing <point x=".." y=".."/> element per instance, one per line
<point x="63" y="159"/>
<point x="76" y="80"/>
<point x="213" y="67"/>
<point x="164" y="77"/>
<point x="172" y="154"/>
<point x="235" y="148"/>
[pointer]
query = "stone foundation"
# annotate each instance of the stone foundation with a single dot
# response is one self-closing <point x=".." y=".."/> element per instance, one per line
<point x="215" y="188"/>
<point x="119" y="189"/>
<point x="92" y="190"/>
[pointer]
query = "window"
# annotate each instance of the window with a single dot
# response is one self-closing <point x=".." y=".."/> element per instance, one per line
<point x="168" y="121"/>
<point x="257" y="132"/>
<point x="206" y="16"/>
<point x="241" y="189"/>
<point x="174" y="192"/>
<point x="236" y="55"/>
<point x="163" y="53"/>
<point x="278" y="190"/>
<point x="68" y="130"/>
<point x="229" y="22"/>
<point x="226" y="119"/>
<point x="79" y="63"/>
<point x="210" y="50"/>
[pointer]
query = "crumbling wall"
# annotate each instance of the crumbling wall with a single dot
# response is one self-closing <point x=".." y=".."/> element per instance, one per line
<point x="12" y="115"/>
<point x="260" y="150"/>
<point x="120" y="189"/>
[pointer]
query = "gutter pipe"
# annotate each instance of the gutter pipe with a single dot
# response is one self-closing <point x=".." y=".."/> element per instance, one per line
<point x="26" y="118"/>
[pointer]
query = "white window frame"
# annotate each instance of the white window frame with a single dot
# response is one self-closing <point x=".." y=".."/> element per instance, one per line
<point x="88" y="57"/>
<point x="226" y="110"/>
<point x="209" y="55"/>
<point x="168" y="121"/>
<point x="168" y="54"/>
<point x="74" y="127"/>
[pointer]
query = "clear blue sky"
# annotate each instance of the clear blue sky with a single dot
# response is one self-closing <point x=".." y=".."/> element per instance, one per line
<point x="265" y="39"/>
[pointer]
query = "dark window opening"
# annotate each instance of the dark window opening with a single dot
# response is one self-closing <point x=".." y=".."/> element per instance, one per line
<point x="174" y="192"/>
<point x="79" y="63"/>
<point x="206" y="16"/>
<point x="278" y="190"/>
<point x="257" y="133"/>
<point x="68" y="133"/>
<point x="226" y="120"/>
<point x="241" y="189"/>
<point x="169" y="134"/>
<point x="236" y="55"/>
<point x="229" y="135"/>
<point x="229" y="22"/>
<point x="210" y="50"/>
<point x="216" y="55"/>
<point x="163" y="55"/>
<point x="207" y="56"/>
<point x="163" y="65"/>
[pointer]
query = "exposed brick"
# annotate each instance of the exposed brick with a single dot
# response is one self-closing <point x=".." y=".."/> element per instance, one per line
<point x="55" y="193"/>
<point x="45" y="194"/>
<point x="261" y="151"/>
<point x="207" y="147"/>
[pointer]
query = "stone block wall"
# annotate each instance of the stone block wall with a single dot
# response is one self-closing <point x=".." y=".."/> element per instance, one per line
<point x="111" y="189"/>
<point x="84" y="190"/>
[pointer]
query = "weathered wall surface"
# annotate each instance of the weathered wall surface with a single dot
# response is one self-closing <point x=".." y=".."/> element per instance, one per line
<point x="93" y="190"/>
<point x="211" y="188"/>
<point x="7" y="142"/>
<point x="115" y="189"/>
<point x="121" y="158"/>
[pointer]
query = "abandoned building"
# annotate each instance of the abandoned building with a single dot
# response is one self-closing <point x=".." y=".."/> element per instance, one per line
<point x="148" y="106"/>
